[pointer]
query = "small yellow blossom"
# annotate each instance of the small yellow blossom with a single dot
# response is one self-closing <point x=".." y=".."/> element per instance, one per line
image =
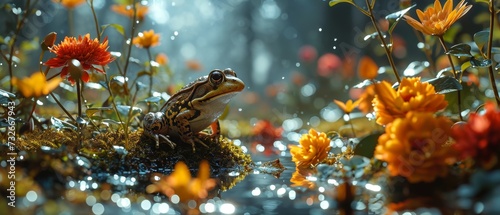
<point x="127" y="10"/>
<point x="181" y="184"/>
<point x="347" y="107"/>
<point x="36" y="85"/>
<point x="146" y="39"/>
<point x="313" y="149"/>
<point x="162" y="59"/>
<point x="437" y="20"/>
<point x="412" y="95"/>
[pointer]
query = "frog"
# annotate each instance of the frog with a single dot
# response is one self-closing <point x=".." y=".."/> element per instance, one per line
<point x="193" y="108"/>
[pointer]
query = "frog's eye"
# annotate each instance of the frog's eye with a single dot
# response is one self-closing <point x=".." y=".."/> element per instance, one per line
<point x="216" y="77"/>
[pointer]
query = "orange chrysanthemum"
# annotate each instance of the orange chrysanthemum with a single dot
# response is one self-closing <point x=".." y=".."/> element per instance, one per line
<point x="70" y="4"/>
<point x="128" y="11"/>
<point x="415" y="147"/>
<point x="88" y="52"/>
<point x="181" y="184"/>
<point x="146" y="39"/>
<point x="36" y="85"/>
<point x="437" y="20"/>
<point x="412" y="95"/>
<point x="479" y="138"/>
<point x="313" y="149"/>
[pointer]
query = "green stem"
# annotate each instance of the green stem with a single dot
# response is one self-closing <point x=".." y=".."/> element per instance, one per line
<point x="490" y="45"/>
<point x="132" y="34"/>
<point x="150" y="72"/>
<point x="14" y="39"/>
<point x="388" y="51"/>
<point x="97" y="29"/>
<point x="352" y="126"/>
<point x="455" y="75"/>
<point x="79" y="95"/>
<point x="62" y="107"/>
<point x="71" y="22"/>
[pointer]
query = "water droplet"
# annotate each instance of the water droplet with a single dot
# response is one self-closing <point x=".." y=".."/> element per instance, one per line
<point x="334" y="47"/>
<point x="297" y="64"/>
<point x="334" y="39"/>
<point x="172" y="37"/>
<point x="320" y="29"/>
<point x="283" y="78"/>
<point x="240" y="109"/>
<point x="38" y="13"/>
<point x="176" y="33"/>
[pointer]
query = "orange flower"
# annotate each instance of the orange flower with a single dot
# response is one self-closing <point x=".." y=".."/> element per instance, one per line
<point x="412" y="95"/>
<point x="181" y="184"/>
<point x="88" y="52"/>
<point x="437" y="20"/>
<point x="162" y="59"/>
<point x="299" y="179"/>
<point x="70" y="4"/>
<point x="265" y="134"/>
<point x="367" y="68"/>
<point x="313" y="149"/>
<point x="415" y="147"/>
<point x="347" y="107"/>
<point x="193" y="65"/>
<point x="128" y="11"/>
<point x="365" y="101"/>
<point x="328" y="64"/>
<point x="479" y="138"/>
<point x="36" y="85"/>
<point x="146" y="39"/>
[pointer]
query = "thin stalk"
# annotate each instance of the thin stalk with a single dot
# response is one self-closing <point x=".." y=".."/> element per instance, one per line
<point x="132" y="33"/>
<point x="97" y="29"/>
<point x="62" y="107"/>
<point x="488" y="55"/>
<point x="79" y="95"/>
<point x="388" y="51"/>
<point x="455" y="75"/>
<point x="71" y="22"/>
<point x="150" y="72"/>
<point x="14" y="39"/>
<point x="352" y="126"/>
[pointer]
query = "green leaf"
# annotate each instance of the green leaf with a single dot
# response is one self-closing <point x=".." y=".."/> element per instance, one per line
<point x="460" y="50"/>
<point x="487" y="2"/>
<point x="117" y="27"/>
<point x="153" y="99"/>
<point x="415" y="68"/>
<point x="394" y="18"/>
<point x="481" y="38"/>
<point x="366" y="146"/>
<point x="335" y="2"/>
<point x="465" y="66"/>
<point x="475" y="62"/>
<point x="5" y="97"/>
<point x="124" y="110"/>
<point x="91" y="111"/>
<point x="445" y="84"/>
<point x="143" y="73"/>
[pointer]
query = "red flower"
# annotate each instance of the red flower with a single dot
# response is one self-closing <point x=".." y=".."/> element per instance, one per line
<point x="479" y="138"/>
<point x="88" y="52"/>
<point x="265" y="134"/>
<point x="328" y="63"/>
<point x="307" y="53"/>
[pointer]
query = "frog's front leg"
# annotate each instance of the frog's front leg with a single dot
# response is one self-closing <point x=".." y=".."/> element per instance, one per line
<point x="155" y="125"/>
<point x="185" y="132"/>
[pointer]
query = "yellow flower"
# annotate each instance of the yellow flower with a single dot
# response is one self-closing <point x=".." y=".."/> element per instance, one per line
<point x="162" y="59"/>
<point x="367" y="68"/>
<point x="437" y="20"/>
<point x="70" y="4"/>
<point x="299" y="179"/>
<point x="181" y="184"/>
<point x="36" y="85"/>
<point x="412" y="95"/>
<point x="127" y="10"/>
<point x="146" y="39"/>
<point x="347" y="107"/>
<point x="313" y="149"/>
<point x="415" y="147"/>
